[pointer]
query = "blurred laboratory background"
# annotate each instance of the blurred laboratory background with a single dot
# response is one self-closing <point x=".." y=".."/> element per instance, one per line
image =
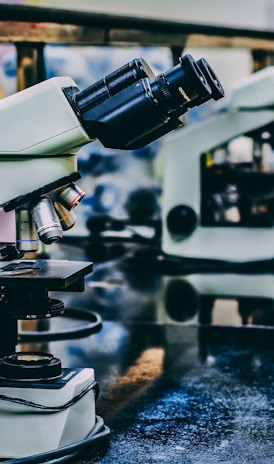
<point x="179" y="231"/>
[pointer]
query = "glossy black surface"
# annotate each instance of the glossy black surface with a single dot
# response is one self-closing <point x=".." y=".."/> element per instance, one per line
<point x="185" y="365"/>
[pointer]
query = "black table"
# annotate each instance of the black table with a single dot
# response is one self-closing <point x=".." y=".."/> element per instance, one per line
<point x="184" y="364"/>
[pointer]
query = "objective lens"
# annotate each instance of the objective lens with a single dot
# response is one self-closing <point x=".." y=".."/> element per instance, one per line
<point x="26" y="234"/>
<point x="46" y="220"/>
<point x="71" y="196"/>
<point x="67" y="218"/>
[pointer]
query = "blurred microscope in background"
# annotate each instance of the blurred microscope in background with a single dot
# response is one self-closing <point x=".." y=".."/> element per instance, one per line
<point x="218" y="198"/>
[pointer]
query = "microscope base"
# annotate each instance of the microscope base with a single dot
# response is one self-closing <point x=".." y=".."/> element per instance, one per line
<point x="26" y="430"/>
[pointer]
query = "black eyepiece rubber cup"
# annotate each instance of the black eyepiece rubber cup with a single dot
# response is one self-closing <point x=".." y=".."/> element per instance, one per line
<point x="213" y="81"/>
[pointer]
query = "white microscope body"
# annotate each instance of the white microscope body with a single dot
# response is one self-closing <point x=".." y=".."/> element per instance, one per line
<point x="29" y="148"/>
<point x="251" y="109"/>
<point x="38" y="124"/>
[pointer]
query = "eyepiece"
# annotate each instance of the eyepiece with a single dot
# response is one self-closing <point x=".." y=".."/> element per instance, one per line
<point x="182" y="87"/>
<point x="186" y="81"/>
<point x="213" y="81"/>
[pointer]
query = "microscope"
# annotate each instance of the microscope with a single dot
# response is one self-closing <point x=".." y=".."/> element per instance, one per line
<point x="219" y="179"/>
<point x="41" y="130"/>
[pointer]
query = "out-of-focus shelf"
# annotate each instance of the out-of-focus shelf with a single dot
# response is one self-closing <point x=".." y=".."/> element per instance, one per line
<point x="23" y="23"/>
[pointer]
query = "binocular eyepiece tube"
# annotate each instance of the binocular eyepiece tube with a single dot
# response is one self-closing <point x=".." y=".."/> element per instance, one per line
<point x="132" y="107"/>
<point x="114" y="82"/>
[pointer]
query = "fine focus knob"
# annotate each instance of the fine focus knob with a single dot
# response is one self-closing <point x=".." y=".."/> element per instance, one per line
<point x="181" y="220"/>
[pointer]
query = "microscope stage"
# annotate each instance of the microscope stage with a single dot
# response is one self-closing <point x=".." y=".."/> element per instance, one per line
<point x="46" y="274"/>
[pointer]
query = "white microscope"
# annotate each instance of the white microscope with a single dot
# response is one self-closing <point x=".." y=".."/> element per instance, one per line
<point x="41" y="129"/>
<point x="219" y="179"/>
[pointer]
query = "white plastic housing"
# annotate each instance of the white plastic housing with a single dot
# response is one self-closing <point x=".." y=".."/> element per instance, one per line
<point x="26" y="431"/>
<point x="38" y="132"/>
<point x="40" y="121"/>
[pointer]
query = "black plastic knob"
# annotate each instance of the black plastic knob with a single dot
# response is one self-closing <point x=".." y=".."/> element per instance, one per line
<point x="181" y="220"/>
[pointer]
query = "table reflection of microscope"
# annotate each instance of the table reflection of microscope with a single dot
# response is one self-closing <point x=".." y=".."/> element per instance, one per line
<point x="222" y="205"/>
<point x="39" y="126"/>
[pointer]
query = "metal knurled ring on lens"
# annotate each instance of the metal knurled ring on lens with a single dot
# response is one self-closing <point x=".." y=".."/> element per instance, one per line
<point x="163" y="87"/>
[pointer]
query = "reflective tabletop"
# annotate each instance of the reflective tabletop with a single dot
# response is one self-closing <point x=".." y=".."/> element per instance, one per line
<point x="184" y="364"/>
